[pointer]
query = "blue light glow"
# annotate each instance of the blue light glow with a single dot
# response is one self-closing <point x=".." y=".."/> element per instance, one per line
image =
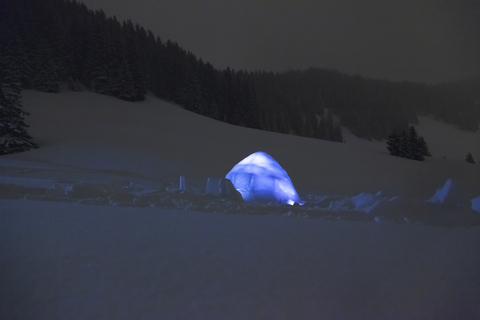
<point x="259" y="178"/>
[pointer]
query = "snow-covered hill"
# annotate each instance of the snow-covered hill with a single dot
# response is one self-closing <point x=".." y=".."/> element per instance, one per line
<point x="160" y="140"/>
<point x="92" y="224"/>
<point x="444" y="140"/>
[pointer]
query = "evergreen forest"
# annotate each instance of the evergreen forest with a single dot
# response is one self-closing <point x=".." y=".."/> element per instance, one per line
<point x="46" y="43"/>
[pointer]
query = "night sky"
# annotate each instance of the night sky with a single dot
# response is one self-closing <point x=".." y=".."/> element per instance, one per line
<point x="417" y="40"/>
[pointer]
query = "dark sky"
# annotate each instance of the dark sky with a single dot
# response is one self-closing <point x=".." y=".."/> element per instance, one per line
<point x="418" y="40"/>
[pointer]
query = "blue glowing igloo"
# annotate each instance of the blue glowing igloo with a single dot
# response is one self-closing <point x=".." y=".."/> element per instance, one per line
<point x="259" y="178"/>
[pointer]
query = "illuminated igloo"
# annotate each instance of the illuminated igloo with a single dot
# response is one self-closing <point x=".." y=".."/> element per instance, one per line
<point x="259" y="178"/>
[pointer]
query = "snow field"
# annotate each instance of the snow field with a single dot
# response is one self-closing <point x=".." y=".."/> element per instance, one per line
<point x="93" y="224"/>
<point x="67" y="261"/>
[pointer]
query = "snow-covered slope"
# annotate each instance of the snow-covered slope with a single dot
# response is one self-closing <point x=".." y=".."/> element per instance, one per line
<point x="92" y="224"/>
<point x="444" y="140"/>
<point x="160" y="140"/>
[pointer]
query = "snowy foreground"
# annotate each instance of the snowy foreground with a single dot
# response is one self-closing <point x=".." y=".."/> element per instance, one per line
<point x="68" y="261"/>
<point x="94" y="224"/>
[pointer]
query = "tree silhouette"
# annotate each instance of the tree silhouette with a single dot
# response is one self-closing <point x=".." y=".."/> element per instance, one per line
<point x="394" y="144"/>
<point x="410" y="146"/>
<point x="469" y="158"/>
<point x="13" y="130"/>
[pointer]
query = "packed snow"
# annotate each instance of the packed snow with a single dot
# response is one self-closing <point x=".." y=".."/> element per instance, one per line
<point x="128" y="210"/>
<point x="451" y="194"/>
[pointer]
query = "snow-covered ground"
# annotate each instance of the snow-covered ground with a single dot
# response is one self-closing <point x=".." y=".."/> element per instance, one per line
<point x="67" y="261"/>
<point x="93" y="224"/>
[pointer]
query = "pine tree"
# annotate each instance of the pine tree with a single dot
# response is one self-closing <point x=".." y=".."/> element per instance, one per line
<point x="122" y="85"/>
<point x="46" y="75"/>
<point x="409" y="146"/>
<point x="74" y="85"/>
<point x="311" y="124"/>
<point x="322" y="129"/>
<point x="191" y="97"/>
<point x="134" y="63"/>
<point x="415" y="151"/>
<point x="158" y="79"/>
<point x="97" y="75"/>
<point x="231" y="94"/>
<point x="394" y="144"/>
<point x="13" y="134"/>
<point x="330" y="126"/>
<point x="424" y="147"/>
<point x="13" y="48"/>
<point x="174" y="69"/>
<point x="337" y="133"/>
<point x="404" y="149"/>
<point x="469" y="158"/>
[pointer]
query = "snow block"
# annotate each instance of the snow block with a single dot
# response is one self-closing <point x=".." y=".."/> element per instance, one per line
<point x="227" y="190"/>
<point x="182" y="184"/>
<point x="259" y="178"/>
<point x="223" y="188"/>
<point x="476" y="204"/>
<point x="213" y="186"/>
<point x="366" y="202"/>
<point x="451" y="194"/>
<point x="340" y="204"/>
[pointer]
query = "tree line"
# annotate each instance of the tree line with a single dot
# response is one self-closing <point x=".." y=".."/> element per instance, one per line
<point x="44" y="43"/>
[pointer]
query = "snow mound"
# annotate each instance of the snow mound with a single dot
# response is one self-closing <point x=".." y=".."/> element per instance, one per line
<point x="259" y="178"/>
